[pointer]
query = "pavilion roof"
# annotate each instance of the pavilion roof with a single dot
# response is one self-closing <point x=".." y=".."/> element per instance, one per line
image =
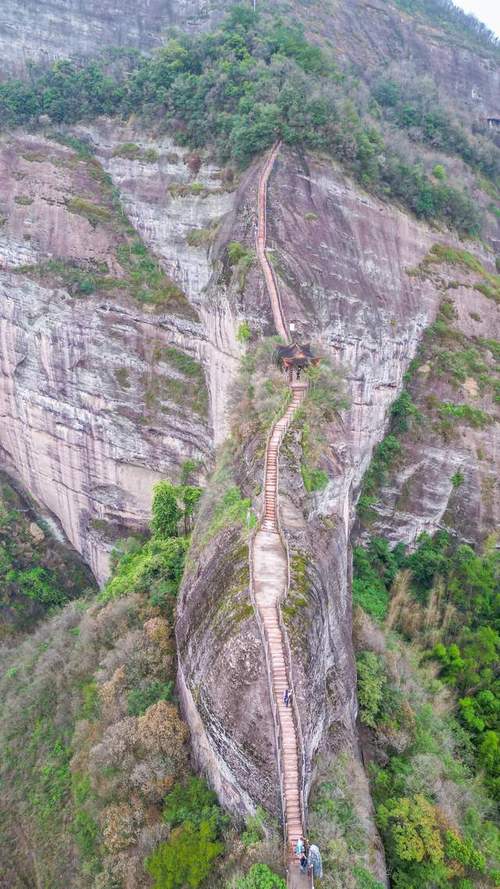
<point x="294" y="351"/>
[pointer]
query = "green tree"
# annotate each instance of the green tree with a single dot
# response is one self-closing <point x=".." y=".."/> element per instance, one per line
<point x="186" y="859"/>
<point x="166" y="512"/>
<point x="412" y="828"/>
<point x="192" y="801"/>
<point x="190" y="496"/>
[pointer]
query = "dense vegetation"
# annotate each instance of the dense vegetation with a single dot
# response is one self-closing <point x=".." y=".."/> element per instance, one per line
<point x="238" y="90"/>
<point x="92" y="739"/>
<point x="37" y="574"/>
<point x="432" y="709"/>
<point x="450" y="603"/>
<point x="415" y="107"/>
<point x="445" y="596"/>
<point x="448" y="16"/>
<point x="337" y="824"/>
<point x="103" y="789"/>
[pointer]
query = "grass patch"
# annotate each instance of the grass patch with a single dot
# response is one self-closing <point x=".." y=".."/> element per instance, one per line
<point x="131" y="151"/>
<point x="440" y="254"/>
<point x="201" y="237"/>
<point x="471" y="416"/>
<point x="239" y="260"/>
<point x="128" y="150"/>
<point x="79" y="280"/>
<point x="314" y="479"/>
<point x="146" y="280"/>
<point x="244" y="332"/>
<point x="191" y="391"/>
<point x="94" y="213"/>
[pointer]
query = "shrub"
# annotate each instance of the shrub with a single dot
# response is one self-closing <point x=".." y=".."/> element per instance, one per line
<point x="314" y="479"/>
<point x="429" y="559"/>
<point x="473" y="416"/>
<point x="364" y="879"/>
<point x="139" y="699"/>
<point x="186" y="858"/>
<point x="37" y="583"/>
<point x="232" y="509"/>
<point x="189" y="467"/>
<point x="254" y="828"/>
<point x="244" y="333"/>
<point x="413" y="829"/>
<point x="260" y="876"/>
<point x="375" y="568"/>
<point x="166" y="512"/>
<point x="93" y="212"/>
<point x="157" y="567"/>
<point x="371" y="681"/>
<point x="128" y="150"/>
<point x="193" y="801"/>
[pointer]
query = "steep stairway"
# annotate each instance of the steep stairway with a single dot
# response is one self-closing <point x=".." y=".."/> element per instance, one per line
<point x="270" y="584"/>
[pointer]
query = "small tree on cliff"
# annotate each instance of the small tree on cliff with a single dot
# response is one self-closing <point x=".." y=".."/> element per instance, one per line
<point x="166" y="512"/>
<point x="190" y="498"/>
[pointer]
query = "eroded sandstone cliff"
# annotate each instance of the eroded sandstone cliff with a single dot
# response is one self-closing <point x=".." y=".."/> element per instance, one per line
<point x="345" y="263"/>
<point x="102" y="393"/>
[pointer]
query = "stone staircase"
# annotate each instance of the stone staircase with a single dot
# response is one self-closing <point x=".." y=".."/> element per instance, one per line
<point x="269" y="572"/>
<point x="270" y="583"/>
<point x="270" y="522"/>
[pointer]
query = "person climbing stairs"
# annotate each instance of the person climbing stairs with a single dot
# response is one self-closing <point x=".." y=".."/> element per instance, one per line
<point x="270" y="584"/>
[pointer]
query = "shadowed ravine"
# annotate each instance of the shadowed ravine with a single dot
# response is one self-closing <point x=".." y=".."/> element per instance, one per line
<point x="270" y="577"/>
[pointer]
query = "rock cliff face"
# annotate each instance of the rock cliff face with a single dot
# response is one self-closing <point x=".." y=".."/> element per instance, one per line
<point x="368" y="33"/>
<point x="89" y="422"/>
<point x="343" y="261"/>
<point x="35" y="32"/>
<point x="96" y="404"/>
<point x="167" y="204"/>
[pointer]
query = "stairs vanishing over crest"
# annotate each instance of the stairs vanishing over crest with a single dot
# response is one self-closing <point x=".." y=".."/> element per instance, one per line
<point x="269" y="571"/>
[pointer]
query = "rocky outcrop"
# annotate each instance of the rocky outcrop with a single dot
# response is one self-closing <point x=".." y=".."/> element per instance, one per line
<point x="366" y="33"/>
<point x="222" y="678"/>
<point x="446" y="476"/>
<point x="96" y="404"/>
<point x="89" y="422"/>
<point x="344" y="262"/>
<point x="167" y="204"/>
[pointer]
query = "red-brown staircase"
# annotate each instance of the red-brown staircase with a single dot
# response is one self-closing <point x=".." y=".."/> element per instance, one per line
<point x="270" y="577"/>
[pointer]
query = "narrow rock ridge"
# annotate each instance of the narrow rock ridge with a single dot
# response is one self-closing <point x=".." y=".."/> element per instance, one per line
<point x="269" y="585"/>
